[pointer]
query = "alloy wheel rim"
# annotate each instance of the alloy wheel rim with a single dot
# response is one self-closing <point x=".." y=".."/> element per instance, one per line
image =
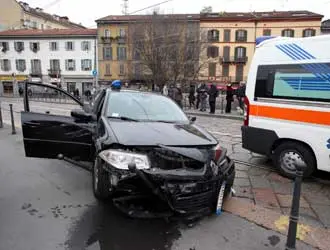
<point x="288" y="159"/>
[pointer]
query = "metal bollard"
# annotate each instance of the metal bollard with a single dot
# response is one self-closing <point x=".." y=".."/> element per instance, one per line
<point x="294" y="214"/>
<point x="1" y="123"/>
<point x="222" y="101"/>
<point x="13" y="129"/>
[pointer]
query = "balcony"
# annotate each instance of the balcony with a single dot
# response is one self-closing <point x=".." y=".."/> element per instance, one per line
<point x="106" y="39"/>
<point x="213" y="39"/>
<point x="121" y="39"/>
<point x="233" y="59"/>
<point x="35" y="72"/>
<point x="55" y="73"/>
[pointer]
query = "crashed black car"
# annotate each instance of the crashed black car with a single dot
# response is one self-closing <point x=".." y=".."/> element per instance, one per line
<point x="148" y="157"/>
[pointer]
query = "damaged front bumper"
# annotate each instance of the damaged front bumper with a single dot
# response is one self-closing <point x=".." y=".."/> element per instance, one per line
<point x="155" y="192"/>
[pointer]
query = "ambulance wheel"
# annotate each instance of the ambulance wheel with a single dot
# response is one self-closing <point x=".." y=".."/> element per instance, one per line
<point x="286" y="154"/>
<point x="101" y="181"/>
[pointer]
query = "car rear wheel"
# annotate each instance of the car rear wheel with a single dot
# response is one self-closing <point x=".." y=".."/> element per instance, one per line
<point x="101" y="181"/>
<point x="287" y="153"/>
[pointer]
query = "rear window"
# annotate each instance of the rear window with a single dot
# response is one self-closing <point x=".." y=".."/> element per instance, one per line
<point x="294" y="81"/>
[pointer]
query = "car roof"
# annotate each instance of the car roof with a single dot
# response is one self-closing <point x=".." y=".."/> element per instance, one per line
<point x="132" y="91"/>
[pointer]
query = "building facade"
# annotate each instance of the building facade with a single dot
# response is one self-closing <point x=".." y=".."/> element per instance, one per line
<point x="325" y="27"/>
<point x="19" y="15"/>
<point x="232" y="36"/>
<point x="63" y="57"/>
<point x="120" y="36"/>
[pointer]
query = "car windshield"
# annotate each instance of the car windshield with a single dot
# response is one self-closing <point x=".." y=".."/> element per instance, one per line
<point x="144" y="107"/>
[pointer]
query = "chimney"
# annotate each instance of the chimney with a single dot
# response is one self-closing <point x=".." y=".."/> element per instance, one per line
<point x="39" y="9"/>
<point x="25" y="6"/>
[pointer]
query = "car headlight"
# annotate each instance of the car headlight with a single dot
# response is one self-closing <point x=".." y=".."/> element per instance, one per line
<point x="120" y="159"/>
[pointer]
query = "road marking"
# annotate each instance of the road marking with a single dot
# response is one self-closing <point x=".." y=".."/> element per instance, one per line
<point x="282" y="224"/>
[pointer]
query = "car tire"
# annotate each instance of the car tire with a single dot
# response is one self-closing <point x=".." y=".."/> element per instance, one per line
<point x="101" y="181"/>
<point x="285" y="154"/>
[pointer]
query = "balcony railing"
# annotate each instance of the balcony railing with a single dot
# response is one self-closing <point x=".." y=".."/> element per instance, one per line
<point x="213" y="39"/>
<point x="54" y="72"/>
<point x="106" y="39"/>
<point x="233" y="59"/>
<point x="121" y="39"/>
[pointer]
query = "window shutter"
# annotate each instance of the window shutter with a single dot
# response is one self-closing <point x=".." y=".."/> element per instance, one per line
<point x="118" y="56"/>
<point x="24" y="65"/>
<point x="9" y="65"/>
<point x="66" y="64"/>
<point x="72" y="45"/>
<point x="16" y="46"/>
<point x="31" y="46"/>
<point x="17" y="65"/>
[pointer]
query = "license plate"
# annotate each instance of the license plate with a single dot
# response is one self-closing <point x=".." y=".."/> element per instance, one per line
<point x="220" y="198"/>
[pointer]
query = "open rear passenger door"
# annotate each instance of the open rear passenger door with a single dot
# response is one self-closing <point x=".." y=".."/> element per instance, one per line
<point x="56" y="124"/>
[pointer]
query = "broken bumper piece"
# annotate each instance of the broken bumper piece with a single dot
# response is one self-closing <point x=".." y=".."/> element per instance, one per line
<point x="155" y="193"/>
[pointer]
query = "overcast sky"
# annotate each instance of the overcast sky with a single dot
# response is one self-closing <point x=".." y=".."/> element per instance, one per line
<point x="87" y="12"/>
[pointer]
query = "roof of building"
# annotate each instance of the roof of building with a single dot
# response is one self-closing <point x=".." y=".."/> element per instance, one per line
<point x="325" y="26"/>
<point x="63" y="20"/>
<point x="268" y="15"/>
<point x="222" y="16"/>
<point x="127" y="18"/>
<point x="48" y="32"/>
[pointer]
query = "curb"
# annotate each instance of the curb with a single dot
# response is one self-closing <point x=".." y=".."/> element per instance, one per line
<point x="232" y="117"/>
<point x="273" y="220"/>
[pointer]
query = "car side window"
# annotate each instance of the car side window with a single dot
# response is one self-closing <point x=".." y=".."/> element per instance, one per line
<point x="97" y="102"/>
<point x="46" y="100"/>
<point x="100" y="106"/>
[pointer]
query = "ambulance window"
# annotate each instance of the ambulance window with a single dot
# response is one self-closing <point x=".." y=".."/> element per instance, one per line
<point x="309" y="82"/>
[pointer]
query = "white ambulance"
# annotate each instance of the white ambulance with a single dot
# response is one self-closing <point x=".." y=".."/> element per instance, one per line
<point x="287" y="104"/>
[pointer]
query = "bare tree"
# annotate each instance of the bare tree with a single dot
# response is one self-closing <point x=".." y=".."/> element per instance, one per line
<point x="167" y="47"/>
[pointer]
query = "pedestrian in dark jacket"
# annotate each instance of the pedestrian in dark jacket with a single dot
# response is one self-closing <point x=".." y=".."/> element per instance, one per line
<point x="198" y="96"/>
<point x="191" y="96"/>
<point x="229" y="97"/>
<point x="213" y="94"/>
<point x="241" y="94"/>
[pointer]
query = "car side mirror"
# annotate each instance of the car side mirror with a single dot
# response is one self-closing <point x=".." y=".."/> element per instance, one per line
<point x="192" y="119"/>
<point x="81" y="115"/>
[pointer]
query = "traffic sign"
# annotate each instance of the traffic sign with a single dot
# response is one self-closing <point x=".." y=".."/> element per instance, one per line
<point x="94" y="72"/>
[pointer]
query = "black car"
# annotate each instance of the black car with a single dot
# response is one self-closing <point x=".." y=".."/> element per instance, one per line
<point x="148" y="157"/>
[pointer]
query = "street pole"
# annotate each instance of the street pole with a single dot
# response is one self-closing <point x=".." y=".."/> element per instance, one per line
<point x="294" y="215"/>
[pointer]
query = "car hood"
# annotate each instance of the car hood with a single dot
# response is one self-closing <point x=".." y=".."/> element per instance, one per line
<point x="158" y="133"/>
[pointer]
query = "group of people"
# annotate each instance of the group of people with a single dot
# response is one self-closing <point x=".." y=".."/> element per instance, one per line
<point x="174" y="92"/>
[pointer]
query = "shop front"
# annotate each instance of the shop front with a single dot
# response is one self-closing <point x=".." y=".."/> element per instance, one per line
<point x="9" y="85"/>
<point x="82" y="83"/>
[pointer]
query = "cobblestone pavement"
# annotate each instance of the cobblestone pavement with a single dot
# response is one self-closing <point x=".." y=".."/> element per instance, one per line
<point x="262" y="185"/>
<point x="256" y="179"/>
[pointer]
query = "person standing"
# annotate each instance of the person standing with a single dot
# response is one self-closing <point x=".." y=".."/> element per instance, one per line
<point x="198" y="96"/>
<point x="229" y="98"/>
<point x="165" y="90"/>
<point x="213" y="94"/>
<point x="203" y="97"/>
<point x="241" y="94"/>
<point x="191" y="96"/>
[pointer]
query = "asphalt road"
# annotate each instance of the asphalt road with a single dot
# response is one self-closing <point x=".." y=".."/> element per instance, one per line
<point x="48" y="204"/>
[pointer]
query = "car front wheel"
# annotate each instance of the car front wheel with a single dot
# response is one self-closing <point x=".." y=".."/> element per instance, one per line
<point x="101" y="181"/>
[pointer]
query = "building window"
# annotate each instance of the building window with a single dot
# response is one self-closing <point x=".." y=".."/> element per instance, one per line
<point x="137" y="70"/>
<point x="226" y="36"/>
<point x="213" y="35"/>
<point x="86" y="64"/>
<point x="225" y="70"/>
<point x="69" y="46"/>
<point x="189" y="69"/>
<point x="5" y="65"/>
<point x="5" y="46"/>
<point x="70" y="65"/>
<point x="121" y="69"/>
<point x="212" y="69"/>
<point x="85" y="45"/>
<point x="53" y="46"/>
<point x="288" y="33"/>
<point x="107" y="33"/>
<point x="241" y="35"/>
<point x="55" y="65"/>
<point x="8" y="87"/>
<point x="122" y="32"/>
<point x="240" y="54"/>
<point x="36" y="67"/>
<point x="107" y="69"/>
<point x="267" y="32"/>
<point x="293" y="82"/>
<point x="308" y="32"/>
<point x="35" y="46"/>
<point x="121" y="53"/>
<point x="107" y="53"/>
<point x="71" y="87"/>
<point x="213" y="51"/>
<point x="19" y="46"/>
<point x="20" y="65"/>
<point x="34" y="25"/>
